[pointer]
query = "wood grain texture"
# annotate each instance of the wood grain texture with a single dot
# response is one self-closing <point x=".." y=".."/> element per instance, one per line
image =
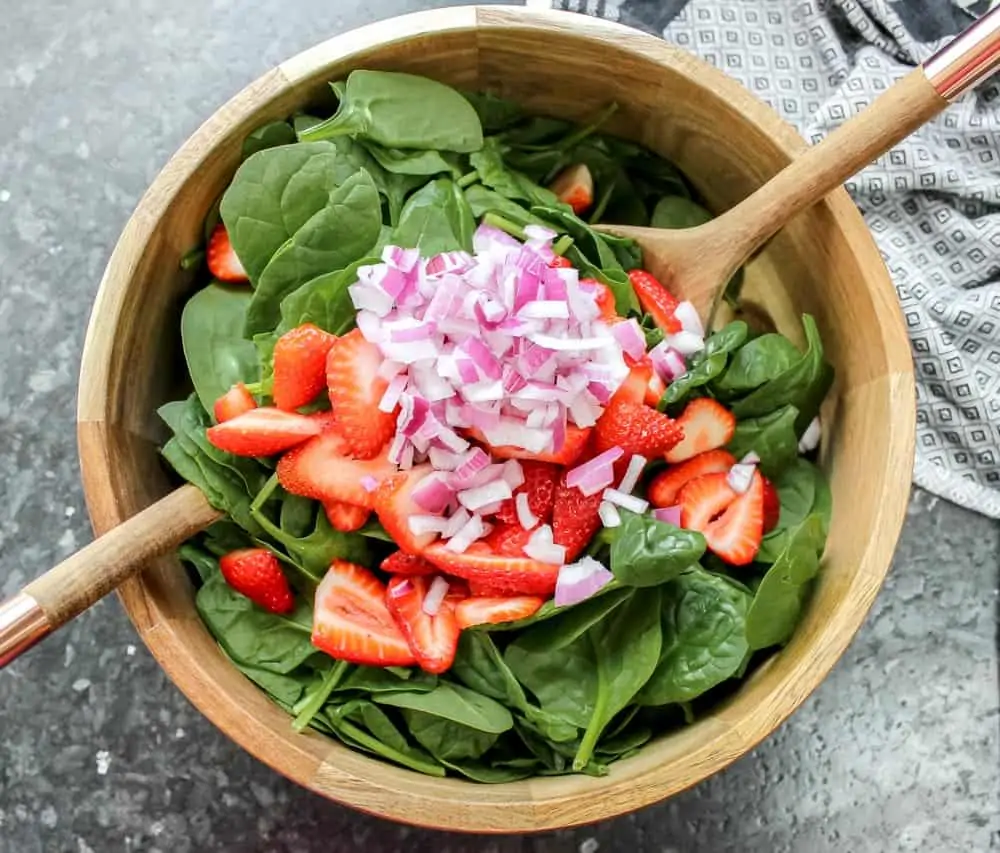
<point x="824" y="261"/>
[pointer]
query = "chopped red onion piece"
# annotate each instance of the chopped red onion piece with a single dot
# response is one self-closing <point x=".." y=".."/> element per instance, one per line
<point x="751" y="458"/>
<point x="740" y="477"/>
<point x="626" y="501"/>
<point x="433" y="493"/>
<point x="513" y="474"/>
<point x="632" y="473"/>
<point x="525" y="517"/>
<point x="540" y="546"/>
<point x="669" y="515"/>
<point x="406" y="458"/>
<point x="599" y="463"/>
<point x="669" y="363"/>
<point x="539" y="233"/>
<point x="687" y="316"/>
<point x="476" y="498"/>
<point x="435" y="596"/>
<point x="514" y="433"/>
<point x="609" y="515"/>
<point x="810" y="438"/>
<point x="392" y="393"/>
<point x="583" y="412"/>
<point x="571" y="344"/>
<point x="686" y="343"/>
<point x="579" y="581"/>
<point x="422" y="524"/>
<point x="396" y="448"/>
<point x="548" y="309"/>
<point x="370" y="298"/>
<point x="482" y="357"/>
<point x="409" y="333"/>
<point x="630" y="337"/>
<point x="459" y="518"/>
<point x="389" y="370"/>
<point x="472" y="530"/>
<point x="369" y="483"/>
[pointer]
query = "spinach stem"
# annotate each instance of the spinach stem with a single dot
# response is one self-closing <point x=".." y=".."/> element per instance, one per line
<point x="506" y="225"/>
<point x="264" y="494"/>
<point x="576" y="138"/>
<point x="309" y="706"/>
<point x="193" y="259"/>
<point x="366" y="740"/>
<point x="562" y="245"/>
<point x="468" y="180"/>
<point x="602" y="204"/>
<point x="593" y="732"/>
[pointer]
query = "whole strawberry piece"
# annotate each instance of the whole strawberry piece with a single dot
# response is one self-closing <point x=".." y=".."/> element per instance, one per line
<point x="635" y="428"/>
<point x="772" y="505"/>
<point x="235" y="402"/>
<point x="656" y="301"/>
<point x="356" y="389"/>
<point x="300" y="366"/>
<point x="574" y="519"/>
<point x="222" y="260"/>
<point x="256" y="573"/>
<point x="346" y="517"/>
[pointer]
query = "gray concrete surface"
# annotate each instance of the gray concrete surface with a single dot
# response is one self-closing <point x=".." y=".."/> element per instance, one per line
<point x="898" y="751"/>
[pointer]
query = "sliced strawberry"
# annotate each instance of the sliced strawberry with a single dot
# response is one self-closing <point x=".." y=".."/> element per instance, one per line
<point x="394" y="505"/>
<point x="346" y="517"/>
<point x="500" y="574"/>
<point x="256" y="573"/>
<point x="355" y="392"/>
<point x="703" y="499"/>
<point x="320" y="469"/>
<point x="222" y="260"/>
<point x="636" y="428"/>
<point x="655" y="390"/>
<point x="574" y="519"/>
<point x="575" y="442"/>
<point x="351" y="621"/>
<point x="574" y="186"/>
<point x="605" y="300"/>
<point x="735" y="536"/>
<point x="507" y="540"/>
<point x="665" y="486"/>
<point x="707" y="424"/>
<point x="491" y="611"/>
<point x="401" y="563"/>
<point x="432" y="639"/>
<point x="262" y="432"/>
<point x="560" y="262"/>
<point x="636" y="384"/>
<point x="540" y="481"/>
<point x="656" y="301"/>
<point x="300" y="366"/>
<point x="772" y="505"/>
<point x="235" y="402"/>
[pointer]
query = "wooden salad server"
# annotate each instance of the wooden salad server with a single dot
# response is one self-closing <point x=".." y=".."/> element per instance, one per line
<point x="695" y="263"/>
<point x="698" y="262"/>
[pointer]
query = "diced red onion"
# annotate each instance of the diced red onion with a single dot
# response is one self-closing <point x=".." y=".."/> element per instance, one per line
<point x="491" y="509"/>
<point x="370" y="298"/>
<point x="669" y="515"/>
<point x="406" y="458"/>
<point x="632" y="473"/>
<point x="596" y="467"/>
<point x="392" y="393"/>
<point x="549" y="309"/>
<point x="458" y="519"/>
<point x="579" y="581"/>
<point x="401" y="259"/>
<point x="540" y="546"/>
<point x="422" y="524"/>
<point x="687" y="316"/>
<point x="812" y="435"/>
<point x="472" y="530"/>
<point x="609" y="515"/>
<point x="525" y="517"/>
<point x="410" y="333"/>
<point x="583" y="412"/>
<point x="626" y="501"/>
<point x="539" y="233"/>
<point x="513" y="473"/>
<point x="509" y="432"/>
<point x="740" y="477"/>
<point x="475" y="499"/>
<point x="630" y="337"/>
<point x="369" y="483"/>
<point x="396" y="448"/>
<point x="433" y="493"/>
<point x="669" y="363"/>
<point x="435" y="596"/>
<point x="686" y="343"/>
<point x="751" y="458"/>
<point x="570" y="344"/>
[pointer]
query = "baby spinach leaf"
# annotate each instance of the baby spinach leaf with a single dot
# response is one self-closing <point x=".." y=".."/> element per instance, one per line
<point x="704" y="637"/>
<point x="298" y="515"/>
<point x="772" y="437"/>
<point x="482" y="201"/>
<point x="623" y="744"/>
<point x="445" y="739"/>
<point x="251" y="635"/>
<point x="217" y="354"/>
<point x="436" y="219"/>
<point x="325" y="302"/>
<point x="270" y="135"/>
<point x="377" y="679"/>
<point x="402" y="111"/>
<point x="358" y="738"/>
<point x="802" y="490"/>
<point x="803" y="384"/>
<point x="495" y="113"/>
<point x="341" y="232"/>
<point x="419" y="163"/>
<point x="203" y="562"/>
<point x="725" y="341"/>
<point x="286" y="690"/>
<point x="646" y="552"/>
<point x="275" y="193"/>
<point x="756" y="362"/>
<point x="495" y="174"/>
<point x="677" y="211"/>
<point x="777" y="603"/>
<point x="455" y="703"/>
<point x="490" y="774"/>
<point x="706" y="365"/>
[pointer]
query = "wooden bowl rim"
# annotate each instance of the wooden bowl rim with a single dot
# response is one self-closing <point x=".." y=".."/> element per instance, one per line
<point x="365" y="783"/>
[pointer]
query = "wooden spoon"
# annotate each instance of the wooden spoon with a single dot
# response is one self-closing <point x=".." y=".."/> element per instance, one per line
<point x="698" y="262"/>
<point x="695" y="263"/>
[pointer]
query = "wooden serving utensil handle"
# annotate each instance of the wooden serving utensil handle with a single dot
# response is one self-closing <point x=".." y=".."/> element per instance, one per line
<point x="88" y="575"/>
<point x="894" y="115"/>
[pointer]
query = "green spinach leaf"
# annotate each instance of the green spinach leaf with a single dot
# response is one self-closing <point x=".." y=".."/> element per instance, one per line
<point x="646" y="552"/>
<point x="454" y="703"/>
<point x="325" y="302"/>
<point x="756" y="362"/>
<point x="677" y="211"/>
<point x="436" y="219"/>
<point x="772" y="437"/>
<point x="270" y="135"/>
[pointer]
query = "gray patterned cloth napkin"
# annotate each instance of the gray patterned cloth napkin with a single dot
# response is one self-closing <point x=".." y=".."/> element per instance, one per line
<point x="932" y="204"/>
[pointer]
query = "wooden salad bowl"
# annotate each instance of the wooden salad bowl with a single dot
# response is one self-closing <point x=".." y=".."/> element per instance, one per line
<point x="728" y="143"/>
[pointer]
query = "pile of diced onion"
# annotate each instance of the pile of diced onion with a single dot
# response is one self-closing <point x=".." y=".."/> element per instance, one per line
<point x="501" y="343"/>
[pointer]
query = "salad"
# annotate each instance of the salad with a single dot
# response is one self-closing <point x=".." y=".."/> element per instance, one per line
<point x="496" y="504"/>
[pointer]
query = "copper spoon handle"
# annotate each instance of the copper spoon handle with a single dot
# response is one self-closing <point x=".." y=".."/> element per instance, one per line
<point x="88" y="575"/>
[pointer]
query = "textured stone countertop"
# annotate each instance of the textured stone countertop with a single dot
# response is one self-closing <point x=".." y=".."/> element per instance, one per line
<point x="897" y="751"/>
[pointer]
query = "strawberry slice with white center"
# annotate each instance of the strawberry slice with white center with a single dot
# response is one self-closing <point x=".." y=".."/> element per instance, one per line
<point x="499" y="573"/>
<point x="221" y="258"/>
<point x="356" y="390"/>
<point x="665" y="486"/>
<point x="707" y="425"/>
<point x="432" y="639"/>
<point x="235" y="402"/>
<point x="573" y="446"/>
<point x="346" y="517"/>
<point x="574" y="186"/>
<point x="351" y="621"/>
<point x="262" y="432"/>
<point x="394" y="505"/>
<point x="732" y="523"/>
<point x="493" y="610"/>
<point x="322" y="470"/>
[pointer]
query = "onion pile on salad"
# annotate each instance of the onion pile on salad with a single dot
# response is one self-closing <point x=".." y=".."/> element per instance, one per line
<point x="494" y="412"/>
